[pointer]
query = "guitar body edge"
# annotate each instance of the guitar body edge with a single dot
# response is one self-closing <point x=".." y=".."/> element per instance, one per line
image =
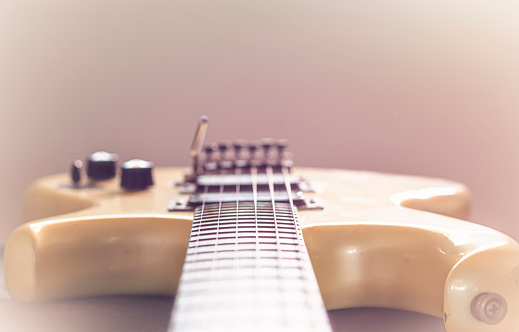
<point x="368" y="248"/>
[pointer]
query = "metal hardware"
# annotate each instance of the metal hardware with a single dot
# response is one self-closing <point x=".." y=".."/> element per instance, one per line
<point x="305" y="186"/>
<point x="186" y="187"/>
<point x="490" y="308"/>
<point x="211" y="178"/>
<point x="311" y="204"/>
<point x="302" y="202"/>
<point x="216" y="180"/>
<point x="75" y="172"/>
<point x="179" y="205"/>
<point x="198" y="143"/>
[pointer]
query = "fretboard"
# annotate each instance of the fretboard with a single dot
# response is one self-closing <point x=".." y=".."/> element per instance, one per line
<point x="247" y="269"/>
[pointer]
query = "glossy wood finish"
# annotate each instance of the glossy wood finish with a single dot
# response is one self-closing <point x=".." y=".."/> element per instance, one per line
<point x="367" y="247"/>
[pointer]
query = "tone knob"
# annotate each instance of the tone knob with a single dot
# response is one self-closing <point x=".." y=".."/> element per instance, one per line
<point x="136" y="175"/>
<point x="102" y="166"/>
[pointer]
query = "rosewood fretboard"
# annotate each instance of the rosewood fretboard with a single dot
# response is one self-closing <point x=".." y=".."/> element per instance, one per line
<point x="246" y="269"/>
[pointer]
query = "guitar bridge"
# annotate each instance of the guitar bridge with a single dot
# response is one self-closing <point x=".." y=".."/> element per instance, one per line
<point x="241" y="171"/>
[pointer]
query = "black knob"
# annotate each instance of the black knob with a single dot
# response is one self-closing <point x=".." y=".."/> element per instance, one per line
<point x="102" y="166"/>
<point x="136" y="175"/>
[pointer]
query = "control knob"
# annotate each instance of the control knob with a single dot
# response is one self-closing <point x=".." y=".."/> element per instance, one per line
<point x="136" y="175"/>
<point x="102" y="166"/>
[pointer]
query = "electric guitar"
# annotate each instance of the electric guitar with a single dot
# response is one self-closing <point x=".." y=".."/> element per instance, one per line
<point x="245" y="242"/>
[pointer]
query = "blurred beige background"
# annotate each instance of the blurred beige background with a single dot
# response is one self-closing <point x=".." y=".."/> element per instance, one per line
<point x="428" y="87"/>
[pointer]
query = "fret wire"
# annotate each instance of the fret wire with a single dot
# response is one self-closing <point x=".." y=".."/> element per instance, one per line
<point x="304" y="259"/>
<point x="217" y="235"/>
<point x="211" y="223"/>
<point x="209" y="214"/>
<point x="246" y="234"/>
<point x="297" y="227"/>
<point x="238" y="188"/>
<point x="288" y="187"/>
<point x="279" y="261"/>
<point x="246" y="223"/>
<point x="198" y="231"/>
<point x="266" y="248"/>
<point x="254" y="180"/>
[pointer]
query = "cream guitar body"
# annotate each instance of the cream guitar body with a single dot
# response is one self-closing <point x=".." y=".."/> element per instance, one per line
<point x="379" y="241"/>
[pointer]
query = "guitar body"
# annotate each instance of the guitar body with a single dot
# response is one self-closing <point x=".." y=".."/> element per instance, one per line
<point x="380" y="241"/>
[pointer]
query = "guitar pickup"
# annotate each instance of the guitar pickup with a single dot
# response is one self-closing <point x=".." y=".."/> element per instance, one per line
<point x="298" y="198"/>
<point x="215" y="181"/>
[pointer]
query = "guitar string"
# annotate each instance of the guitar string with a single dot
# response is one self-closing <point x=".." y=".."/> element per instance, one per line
<point x="302" y="253"/>
<point x="194" y="253"/>
<point x="270" y="179"/>
<point x="304" y="263"/>
<point x="237" y="174"/>
<point x="196" y="245"/>
<point x="214" y="262"/>
<point x="222" y="211"/>
<point x="288" y="187"/>
<point x="280" y="263"/>
<point x="299" y="238"/>
<point x="254" y="181"/>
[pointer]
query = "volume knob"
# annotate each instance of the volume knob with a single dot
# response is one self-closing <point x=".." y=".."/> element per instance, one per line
<point x="136" y="175"/>
<point x="102" y="166"/>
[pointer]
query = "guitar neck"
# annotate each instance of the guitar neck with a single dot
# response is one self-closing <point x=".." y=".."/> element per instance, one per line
<point x="246" y="269"/>
<point x="246" y="266"/>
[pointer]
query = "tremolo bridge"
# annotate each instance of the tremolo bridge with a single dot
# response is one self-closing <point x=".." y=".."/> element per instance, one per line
<point x="246" y="251"/>
<point x="241" y="171"/>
